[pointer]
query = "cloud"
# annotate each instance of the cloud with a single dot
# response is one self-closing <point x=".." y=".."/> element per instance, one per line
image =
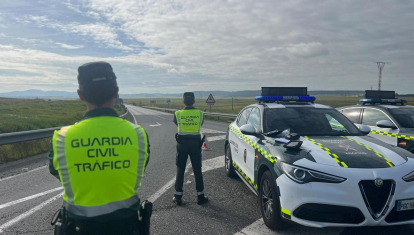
<point x="228" y="45"/>
<point x="307" y="50"/>
<point x="70" y="47"/>
<point x="100" y="32"/>
<point x="76" y="8"/>
<point x="52" y="69"/>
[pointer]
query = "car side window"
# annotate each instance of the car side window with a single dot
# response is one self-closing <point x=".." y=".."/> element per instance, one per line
<point x="254" y="118"/>
<point x="352" y="114"/>
<point x="335" y="125"/>
<point x="243" y="116"/>
<point x="370" y="117"/>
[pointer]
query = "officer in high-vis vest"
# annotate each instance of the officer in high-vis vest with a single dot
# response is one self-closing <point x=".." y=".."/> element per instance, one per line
<point x="189" y="122"/>
<point x="100" y="160"/>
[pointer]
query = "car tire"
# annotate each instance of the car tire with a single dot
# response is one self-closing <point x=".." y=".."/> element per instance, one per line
<point x="228" y="163"/>
<point x="271" y="214"/>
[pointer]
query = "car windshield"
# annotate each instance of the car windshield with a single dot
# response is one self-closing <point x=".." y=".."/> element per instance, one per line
<point x="309" y="121"/>
<point x="405" y="116"/>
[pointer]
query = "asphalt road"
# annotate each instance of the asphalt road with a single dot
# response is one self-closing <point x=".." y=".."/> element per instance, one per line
<point x="29" y="196"/>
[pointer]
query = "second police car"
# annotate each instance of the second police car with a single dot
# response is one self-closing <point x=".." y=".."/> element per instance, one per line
<point x="310" y="165"/>
<point x="388" y="117"/>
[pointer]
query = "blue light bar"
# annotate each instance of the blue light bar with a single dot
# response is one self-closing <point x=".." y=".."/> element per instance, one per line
<point x="382" y="101"/>
<point x="286" y="98"/>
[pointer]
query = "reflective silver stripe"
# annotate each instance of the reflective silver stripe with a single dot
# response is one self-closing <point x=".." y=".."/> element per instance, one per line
<point x="177" y="116"/>
<point x="92" y="211"/>
<point x="142" y="157"/>
<point x="201" y="119"/>
<point x="63" y="167"/>
<point x="178" y="193"/>
<point x="189" y="133"/>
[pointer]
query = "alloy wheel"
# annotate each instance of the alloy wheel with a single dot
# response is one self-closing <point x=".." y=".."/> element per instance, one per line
<point x="227" y="161"/>
<point x="267" y="199"/>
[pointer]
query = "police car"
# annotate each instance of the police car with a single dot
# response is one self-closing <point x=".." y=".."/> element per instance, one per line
<point x="310" y="165"/>
<point x="388" y="117"/>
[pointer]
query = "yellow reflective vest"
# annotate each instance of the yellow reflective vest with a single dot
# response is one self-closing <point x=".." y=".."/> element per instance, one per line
<point x="189" y="121"/>
<point x="101" y="162"/>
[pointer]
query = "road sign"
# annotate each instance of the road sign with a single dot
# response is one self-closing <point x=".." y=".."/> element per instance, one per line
<point x="168" y="101"/>
<point x="210" y="100"/>
<point x="153" y="102"/>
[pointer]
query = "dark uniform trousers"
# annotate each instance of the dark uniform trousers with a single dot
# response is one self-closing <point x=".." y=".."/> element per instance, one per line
<point x="188" y="146"/>
<point x="127" y="226"/>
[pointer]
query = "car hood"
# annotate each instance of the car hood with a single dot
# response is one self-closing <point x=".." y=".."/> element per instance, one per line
<point x="352" y="152"/>
<point x="336" y="151"/>
<point x="409" y="131"/>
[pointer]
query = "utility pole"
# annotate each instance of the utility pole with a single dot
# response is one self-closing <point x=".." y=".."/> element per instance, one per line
<point x="380" y="67"/>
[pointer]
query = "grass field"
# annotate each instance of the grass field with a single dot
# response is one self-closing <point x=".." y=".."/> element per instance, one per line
<point x="224" y="105"/>
<point x="32" y="114"/>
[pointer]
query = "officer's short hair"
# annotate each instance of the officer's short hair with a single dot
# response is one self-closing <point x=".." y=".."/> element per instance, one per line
<point x="98" y="94"/>
<point x="97" y="82"/>
<point x="188" y="98"/>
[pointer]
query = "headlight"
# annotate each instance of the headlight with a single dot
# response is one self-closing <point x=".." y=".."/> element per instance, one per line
<point x="409" y="177"/>
<point x="302" y="175"/>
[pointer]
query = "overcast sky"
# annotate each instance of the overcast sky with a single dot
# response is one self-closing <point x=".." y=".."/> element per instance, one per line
<point x="171" y="46"/>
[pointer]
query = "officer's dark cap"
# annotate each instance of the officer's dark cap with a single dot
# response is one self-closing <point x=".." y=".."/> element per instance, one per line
<point x="188" y="95"/>
<point x="96" y="73"/>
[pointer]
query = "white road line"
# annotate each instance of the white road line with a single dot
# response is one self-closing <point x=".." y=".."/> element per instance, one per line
<point x="148" y="112"/>
<point x="211" y="165"/>
<point x="158" y="124"/>
<point x="135" y="120"/>
<point x="162" y="190"/>
<point x="35" y="169"/>
<point x="215" y="138"/>
<point x="257" y="228"/>
<point x="28" y="213"/>
<point x="260" y="228"/>
<point x="29" y="198"/>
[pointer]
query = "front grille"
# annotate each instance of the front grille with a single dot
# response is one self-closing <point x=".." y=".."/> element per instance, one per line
<point x="329" y="214"/>
<point x="376" y="198"/>
<point x="399" y="216"/>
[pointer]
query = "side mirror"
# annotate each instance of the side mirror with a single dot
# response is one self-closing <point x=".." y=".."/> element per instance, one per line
<point x="248" y="129"/>
<point x="364" y="129"/>
<point x="386" y="124"/>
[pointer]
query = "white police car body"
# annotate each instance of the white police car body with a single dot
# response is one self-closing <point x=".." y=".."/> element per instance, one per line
<point x="388" y="117"/>
<point x="332" y="175"/>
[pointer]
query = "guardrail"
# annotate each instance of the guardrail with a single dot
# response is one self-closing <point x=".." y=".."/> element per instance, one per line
<point x="205" y="113"/>
<point x="16" y="137"/>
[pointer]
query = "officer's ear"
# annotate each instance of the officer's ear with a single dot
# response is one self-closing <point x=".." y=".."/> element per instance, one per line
<point x="116" y="93"/>
<point x="81" y="97"/>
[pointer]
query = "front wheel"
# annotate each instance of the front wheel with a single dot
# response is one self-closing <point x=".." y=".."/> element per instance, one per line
<point x="228" y="164"/>
<point x="269" y="203"/>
